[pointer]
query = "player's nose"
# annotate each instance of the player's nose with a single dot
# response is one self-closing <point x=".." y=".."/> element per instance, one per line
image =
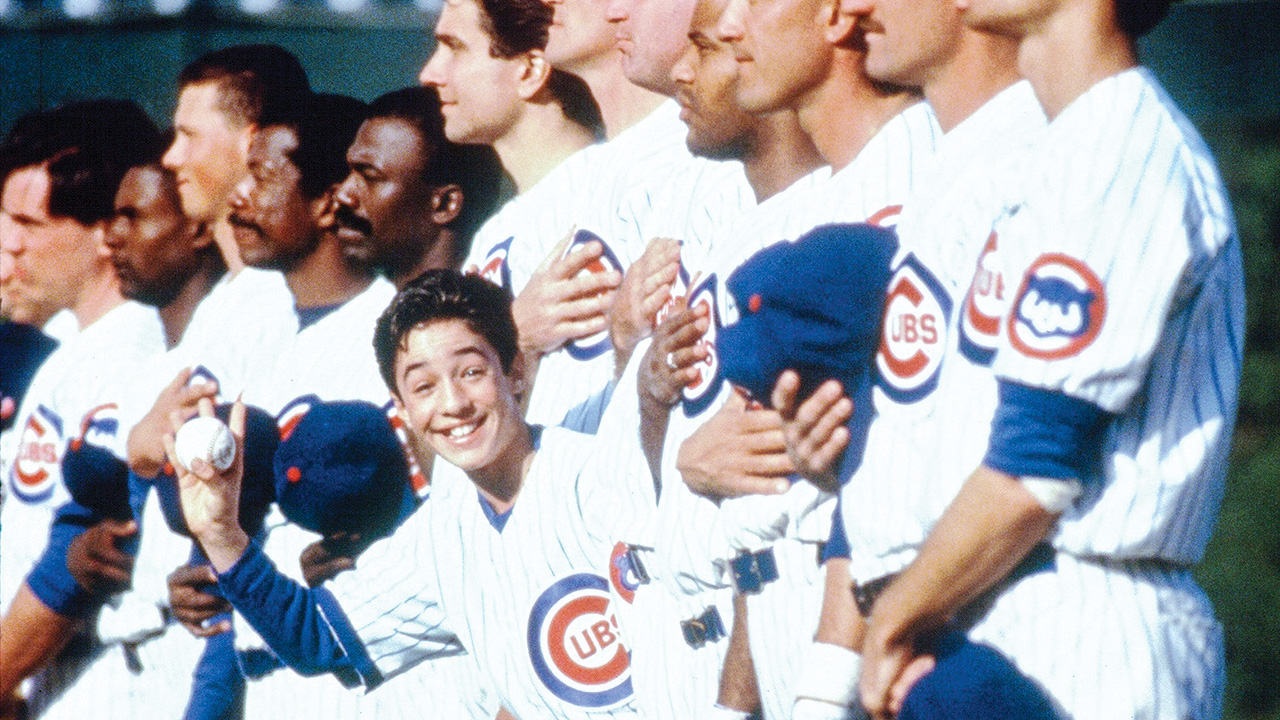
<point x="730" y="27"/>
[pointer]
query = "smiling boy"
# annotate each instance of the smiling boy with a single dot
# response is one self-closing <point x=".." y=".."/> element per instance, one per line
<point x="509" y="546"/>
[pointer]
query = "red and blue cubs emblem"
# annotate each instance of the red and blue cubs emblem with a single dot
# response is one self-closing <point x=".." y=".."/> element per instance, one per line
<point x="885" y="217"/>
<point x="37" y="468"/>
<point x="679" y="291"/>
<point x="1059" y="308"/>
<point x="595" y="345"/>
<point x="417" y="479"/>
<point x="293" y="413"/>
<point x="496" y="269"/>
<point x="984" y="306"/>
<point x="914" y="336"/>
<point x="574" y="643"/>
<point x="622" y="574"/>
<point x="699" y="394"/>
<point x="98" y="427"/>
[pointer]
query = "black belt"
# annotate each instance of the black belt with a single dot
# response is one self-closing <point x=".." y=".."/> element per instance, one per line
<point x="1038" y="559"/>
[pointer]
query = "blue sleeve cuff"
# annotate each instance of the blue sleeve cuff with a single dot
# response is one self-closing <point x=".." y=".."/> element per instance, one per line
<point x="287" y="616"/>
<point x="1044" y="433"/>
<point x="217" y="686"/>
<point x="50" y="579"/>
<point x="837" y="546"/>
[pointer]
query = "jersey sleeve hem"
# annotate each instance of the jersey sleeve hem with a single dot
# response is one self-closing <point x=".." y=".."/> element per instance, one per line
<point x="1044" y="434"/>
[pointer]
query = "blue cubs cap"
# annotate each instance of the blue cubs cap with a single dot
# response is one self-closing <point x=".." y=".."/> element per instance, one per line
<point x="814" y="306"/>
<point x="342" y="469"/>
<point x="257" y="489"/>
<point x="97" y="479"/>
<point x="972" y="680"/>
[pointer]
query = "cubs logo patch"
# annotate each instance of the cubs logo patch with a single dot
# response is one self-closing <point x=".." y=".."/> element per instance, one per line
<point x="201" y="375"/>
<point x="293" y="413"/>
<point x="595" y="345"/>
<point x="37" y="467"/>
<point x="622" y="572"/>
<point x="984" y="305"/>
<point x="1059" y="309"/>
<point x="885" y="217"/>
<point x="496" y="269"/>
<point x="698" y="395"/>
<point x="914" y="334"/>
<point x="98" y="426"/>
<point x="679" y="291"/>
<point x="574" y="643"/>
<point x="417" y="478"/>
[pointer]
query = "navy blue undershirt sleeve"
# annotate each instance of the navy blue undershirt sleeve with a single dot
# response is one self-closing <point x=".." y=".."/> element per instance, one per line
<point x="50" y="579"/>
<point x="1045" y="434"/>
<point x="289" y="618"/>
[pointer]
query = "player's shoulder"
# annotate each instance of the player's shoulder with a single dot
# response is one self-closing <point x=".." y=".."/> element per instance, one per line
<point x="1124" y="148"/>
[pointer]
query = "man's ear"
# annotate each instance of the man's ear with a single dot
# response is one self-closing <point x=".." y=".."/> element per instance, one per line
<point x="245" y="139"/>
<point x="323" y="206"/>
<point x="197" y="236"/>
<point x="839" y="26"/>
<point x="98" y="234"/>
<point x="519" y="375"/>
<point x="446" y="204"/>
<point x="535" y="72"/>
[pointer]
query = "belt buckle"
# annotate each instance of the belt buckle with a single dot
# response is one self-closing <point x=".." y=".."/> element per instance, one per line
<point x="753" y="570"/>
<point x="707" y="627"/>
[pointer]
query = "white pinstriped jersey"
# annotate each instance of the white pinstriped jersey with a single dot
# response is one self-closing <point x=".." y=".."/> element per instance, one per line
<point x="77" y="385"/>
<point x="1126" y="292"/>
<point x="942" y="231"/>
<point x="73" y="395"/>
<point x="526" y="592"/>
<point x="333" y="360"/>
<point x="693" y="540"/>
<point x="1151" y="234"/>
<point x="572" y="384"/>
<point x="236" y="330"/>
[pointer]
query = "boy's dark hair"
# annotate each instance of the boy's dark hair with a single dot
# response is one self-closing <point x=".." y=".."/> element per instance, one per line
<point x="88" y="147"/>
<point x="1136" y="18"/>
<point x="474" y="168"/>
<point x="252" y="79"/>
<point x="520" y="26"/>
<point x="445" y="295"/>
<point x="325" y="125"/>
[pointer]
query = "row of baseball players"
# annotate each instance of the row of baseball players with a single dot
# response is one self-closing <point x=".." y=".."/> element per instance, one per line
<point x="1090" y="432"/>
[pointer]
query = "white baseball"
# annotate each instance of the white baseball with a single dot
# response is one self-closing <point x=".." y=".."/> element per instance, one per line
<point x="207" y="438"/>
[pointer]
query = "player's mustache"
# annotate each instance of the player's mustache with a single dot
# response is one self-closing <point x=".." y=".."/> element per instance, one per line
<point x="347" y="218"/>
<point x="239" y="221"/>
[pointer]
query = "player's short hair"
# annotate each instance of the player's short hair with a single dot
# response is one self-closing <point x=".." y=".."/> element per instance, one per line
<point x="1136" y="18"/>
<point x="251" y="79"/>
<point x="474" y="168"/>
<point x="445" y="295"/>
<point x="87" y="148"/>
<point x="515" y="27"/>
<point x="325" y="125"/>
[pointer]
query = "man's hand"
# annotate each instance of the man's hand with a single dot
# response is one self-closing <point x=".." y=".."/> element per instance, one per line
<point x="96" y="563"/>
<point x="326" y="558"/>
<point x="561" y="302"/>
<point x="815" y="430"/>
<point x="146" y="440"/>
<point x="191" y="605"/>
<point x="645" y="289"/>
<point x="890" y="667"/>
<point x="739" y="451"/>
<point x="670" y="363"/>
<point x="211" y="499"/>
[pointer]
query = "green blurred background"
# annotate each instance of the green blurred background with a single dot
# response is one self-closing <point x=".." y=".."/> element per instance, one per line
<point x="1220" y="60"/>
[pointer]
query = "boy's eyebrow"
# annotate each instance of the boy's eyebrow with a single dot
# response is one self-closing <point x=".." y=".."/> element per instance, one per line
<point x="465" y="350"/>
